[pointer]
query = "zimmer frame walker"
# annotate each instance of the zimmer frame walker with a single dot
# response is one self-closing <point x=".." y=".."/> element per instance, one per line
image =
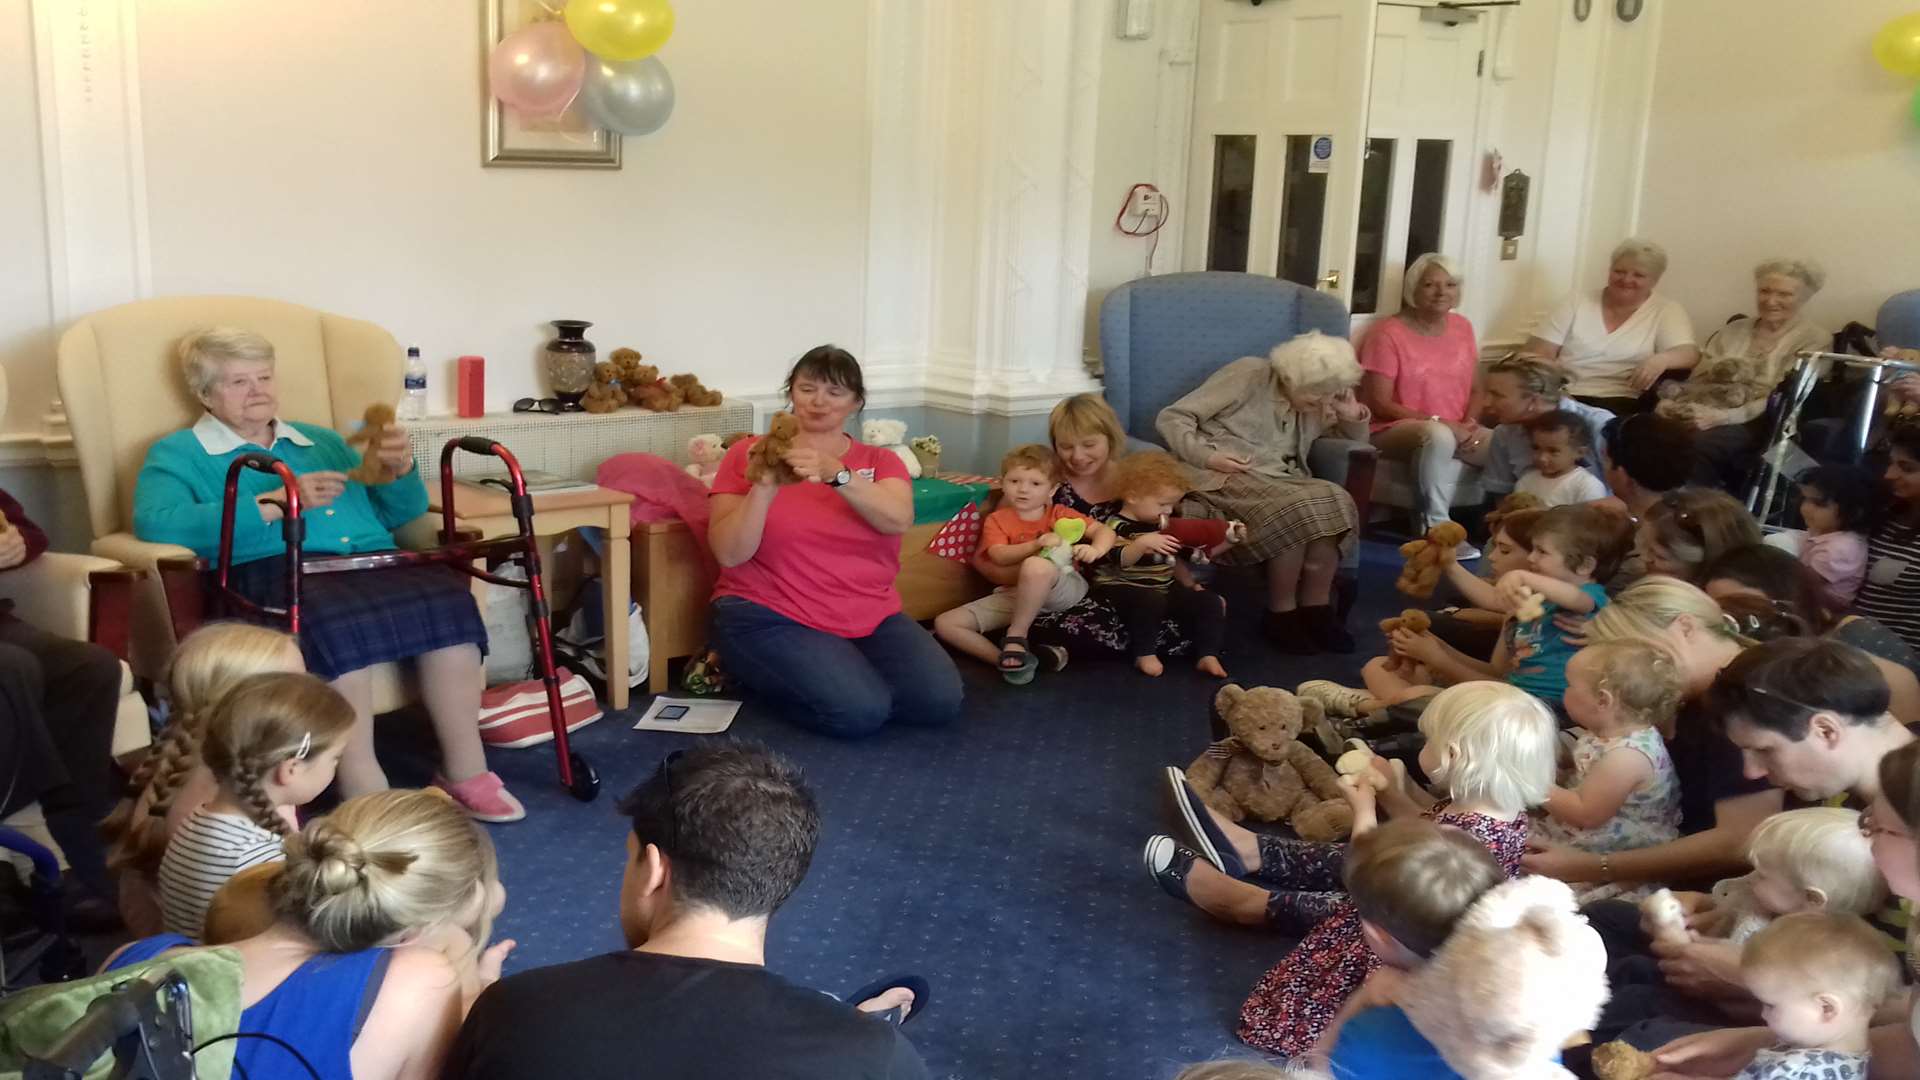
<point x="462" y="554"/>
<point x="1772" y="478"/>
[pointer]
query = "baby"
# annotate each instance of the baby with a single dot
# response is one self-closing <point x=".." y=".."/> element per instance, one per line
<point x="1560" y="438"/>
<point x="1141" y="577"/>
<point x="1819" y="977"/>
<point x="1808" y="860"/>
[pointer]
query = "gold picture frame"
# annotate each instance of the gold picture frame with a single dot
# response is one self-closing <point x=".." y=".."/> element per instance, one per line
<point x="509" y="140"/>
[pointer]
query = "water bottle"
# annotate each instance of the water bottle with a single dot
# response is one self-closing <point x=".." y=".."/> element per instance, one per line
<point x="413" y="404"/>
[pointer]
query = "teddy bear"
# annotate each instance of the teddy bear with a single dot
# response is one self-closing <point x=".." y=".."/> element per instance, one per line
<point x="604" y="396"/>
<point x="727" y="441"/>
<point x="1425" y="558"/>
<point x="703" y="457"/>
<point x="1355" y="766"/>
<point x="891" y="435"/>
<point x="1513" y="504"/>
<point x="1622" y="1061"/>
<point x="693" y="392"/>
<point x="1667" y="918"/>
<point x="1263" y="772"/>
<point x="770" y="452"/>
<point x="1412" y="620"/>
<point x="373" y="427"/>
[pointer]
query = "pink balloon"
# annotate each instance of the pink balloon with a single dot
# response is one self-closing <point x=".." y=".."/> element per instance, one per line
<point x="537" y="69"/>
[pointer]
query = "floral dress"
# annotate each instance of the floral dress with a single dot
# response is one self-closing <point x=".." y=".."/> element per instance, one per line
<point x="1293" y="1003"/>
<point x="1093" y="623"/>
<point x="1651" y="814"/>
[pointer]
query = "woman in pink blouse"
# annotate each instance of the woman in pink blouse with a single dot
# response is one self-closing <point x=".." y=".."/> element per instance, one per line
<point x="1419" y="366"/>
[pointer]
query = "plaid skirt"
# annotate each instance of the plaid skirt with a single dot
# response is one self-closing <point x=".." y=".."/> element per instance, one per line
<point x="1279" y="514"/>
<point x="359" y="618"/>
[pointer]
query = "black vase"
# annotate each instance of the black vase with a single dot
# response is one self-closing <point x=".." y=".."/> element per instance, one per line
<point x="570" y="359"/>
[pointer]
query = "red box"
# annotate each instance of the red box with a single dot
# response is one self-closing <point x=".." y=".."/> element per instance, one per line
<point x="472" y="391"/>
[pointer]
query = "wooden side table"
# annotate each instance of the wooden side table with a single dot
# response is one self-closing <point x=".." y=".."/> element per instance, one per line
<point x="487" y="509"/>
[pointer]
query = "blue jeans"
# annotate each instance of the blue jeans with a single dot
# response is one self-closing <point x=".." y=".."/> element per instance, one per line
<point x="848" y="687"/>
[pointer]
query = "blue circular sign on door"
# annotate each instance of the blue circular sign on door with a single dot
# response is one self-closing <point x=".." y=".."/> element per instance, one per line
<point x="1322" y="148"/>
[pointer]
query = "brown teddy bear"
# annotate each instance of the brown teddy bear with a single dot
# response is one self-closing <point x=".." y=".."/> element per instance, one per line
<point x="770" y="452"/>
<point x="1261" y="771"/>
<point x="694" y="393"/>
<point x="727" y="441"/>
<point x="1425" y="558"/>
<point x="656" y="396"/>
<point x="603" y="396"/>
<point x="1515" y="503"/>
<point x="1412" y="620"/>
<point x="1622" y="1061"/>
<point x="373" y="427"/>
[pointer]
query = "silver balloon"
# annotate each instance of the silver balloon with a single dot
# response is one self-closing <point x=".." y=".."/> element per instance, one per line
<point x="632" y="97"/>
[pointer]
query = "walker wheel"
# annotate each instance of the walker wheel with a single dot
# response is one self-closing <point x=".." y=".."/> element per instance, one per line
<point x="586" y="782"/>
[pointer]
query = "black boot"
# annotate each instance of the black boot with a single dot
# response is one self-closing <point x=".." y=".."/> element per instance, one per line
<point x="1287" y="632"/>
<point x="1323" y="626"/>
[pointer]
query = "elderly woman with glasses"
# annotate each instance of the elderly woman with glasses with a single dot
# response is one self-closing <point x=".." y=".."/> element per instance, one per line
<point x="350" y="622"/>
<point x="1616" y="343"/>
<point x="1419" y="383"/>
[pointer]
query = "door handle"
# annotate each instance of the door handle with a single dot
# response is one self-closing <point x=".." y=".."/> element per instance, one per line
<point x="1330" y="281"/>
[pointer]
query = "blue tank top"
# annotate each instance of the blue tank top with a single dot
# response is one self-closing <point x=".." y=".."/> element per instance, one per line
<point x="318" y="1009"/>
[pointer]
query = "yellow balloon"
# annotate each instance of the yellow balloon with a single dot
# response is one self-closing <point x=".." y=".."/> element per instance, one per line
<point x="620" y="29"/>
<point x="1897" y="46"/>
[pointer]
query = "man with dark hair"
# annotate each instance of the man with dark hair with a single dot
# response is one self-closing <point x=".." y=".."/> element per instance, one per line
<point x="1809" y="716"/>
<point x="722" y="835"/>
<point x="1646" y="456"/>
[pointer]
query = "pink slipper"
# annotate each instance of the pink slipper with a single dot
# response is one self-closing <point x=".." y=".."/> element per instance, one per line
<point x="484" y="797"/>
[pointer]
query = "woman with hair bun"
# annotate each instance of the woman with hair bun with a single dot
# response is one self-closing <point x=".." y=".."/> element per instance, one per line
<point x="375" y="953"/>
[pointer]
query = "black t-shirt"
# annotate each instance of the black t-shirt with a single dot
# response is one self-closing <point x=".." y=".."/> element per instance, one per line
<point x="1708" y="766"/>
<point x="671" y="1018"/>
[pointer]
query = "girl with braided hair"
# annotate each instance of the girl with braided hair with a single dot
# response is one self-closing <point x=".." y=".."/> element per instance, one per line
<point x="172" y="782"/>
<point x="272" y="744"/>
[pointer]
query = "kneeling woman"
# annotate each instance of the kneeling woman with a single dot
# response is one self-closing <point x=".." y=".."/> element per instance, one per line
<point x="805" y="611"/>
<point x="350" y="622"/>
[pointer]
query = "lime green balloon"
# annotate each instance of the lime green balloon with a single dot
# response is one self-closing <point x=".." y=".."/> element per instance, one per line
<point x="620" y="29"/>
<point x="1897" y="46"/>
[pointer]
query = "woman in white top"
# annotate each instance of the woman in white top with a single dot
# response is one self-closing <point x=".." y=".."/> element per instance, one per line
<point x="1618" y="342"/>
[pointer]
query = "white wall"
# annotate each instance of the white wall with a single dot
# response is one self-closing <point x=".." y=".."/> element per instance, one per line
<point x="26" y="338"/>
<point x="329" y="154"/>
<point x="1775" y="133"/>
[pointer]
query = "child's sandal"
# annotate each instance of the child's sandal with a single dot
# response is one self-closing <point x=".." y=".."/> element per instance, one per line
<point x="1024" y="662"/>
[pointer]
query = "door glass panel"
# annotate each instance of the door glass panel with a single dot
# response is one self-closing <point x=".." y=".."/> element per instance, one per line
<point x="1232" y="227"/>
<point x="1429" y="209"/>
<point x="1370" y="239"/>
<point x="1303" y="207"/>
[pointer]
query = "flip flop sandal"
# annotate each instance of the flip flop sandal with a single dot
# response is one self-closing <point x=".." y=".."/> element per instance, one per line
<point x="1029" y="663"/>
<point x="1053" y="657"/>
<point x="900" y="1015"/>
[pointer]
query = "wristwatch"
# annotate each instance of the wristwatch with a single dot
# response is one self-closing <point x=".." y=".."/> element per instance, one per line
<point x="841" y="479"/>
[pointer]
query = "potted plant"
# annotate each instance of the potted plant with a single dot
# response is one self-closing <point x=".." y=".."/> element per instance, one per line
<point x="927" y="449"/>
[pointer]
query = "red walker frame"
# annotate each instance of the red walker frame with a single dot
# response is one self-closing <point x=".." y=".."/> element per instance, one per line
<point x="576" y="774"/>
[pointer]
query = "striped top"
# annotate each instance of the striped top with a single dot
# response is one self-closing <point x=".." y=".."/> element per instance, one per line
<point x="1890" y="594"/>
<point x="203" y="853"/>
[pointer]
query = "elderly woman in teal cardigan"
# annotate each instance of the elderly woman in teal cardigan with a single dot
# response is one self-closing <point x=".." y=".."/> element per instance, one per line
<point x="350" y="621"/>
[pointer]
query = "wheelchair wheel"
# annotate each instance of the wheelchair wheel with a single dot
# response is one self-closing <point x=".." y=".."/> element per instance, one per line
<point x="586" y="782"/>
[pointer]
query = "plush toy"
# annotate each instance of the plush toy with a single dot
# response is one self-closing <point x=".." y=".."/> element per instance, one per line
<point x="1424" y="558"/>
<point x="1356" y="766"/>
<point x="693" y="392"/>
<point x="727" y="441"/>
<point x="1512" y="504"/>
<point x="1532" y="607"/>
<point x="1521" y="954"/>
<point x="373" y="427"/>
<point x="1199" y="536"/>
<point x="1412" y="620"/>
<point x="1667" y="918"/>
<point x="891" y="435"/>
<point x="703" y="457"/>
<point x="1262" y="771"/>
<point x="605" y="395"/>
<point x="656" y="396"/>
<point x="642" y="383"/>
<point x="770" y="452"/>
<point x="1070" y="531"/>
<point x="1622" y="1061"/>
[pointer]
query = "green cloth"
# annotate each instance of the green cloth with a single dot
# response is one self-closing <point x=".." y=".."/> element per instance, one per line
<point x="32" y="1019"/>
<point x="938" y="500"/>
<point x="177" y="499"/>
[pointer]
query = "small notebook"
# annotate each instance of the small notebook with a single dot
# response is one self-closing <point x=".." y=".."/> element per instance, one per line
<point x="689" y="716"/>
<point x="538" y="482"/>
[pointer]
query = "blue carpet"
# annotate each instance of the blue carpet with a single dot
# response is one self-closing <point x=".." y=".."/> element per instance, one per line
<point x="999" y="858"/>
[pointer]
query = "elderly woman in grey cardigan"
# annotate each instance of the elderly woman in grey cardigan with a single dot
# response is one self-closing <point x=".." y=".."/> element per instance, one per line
<point x="1247" y="429"/>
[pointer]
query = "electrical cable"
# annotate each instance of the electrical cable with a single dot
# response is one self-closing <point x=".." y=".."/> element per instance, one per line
<point x="275" y="1039"/>
<point x="1138" y="227"/>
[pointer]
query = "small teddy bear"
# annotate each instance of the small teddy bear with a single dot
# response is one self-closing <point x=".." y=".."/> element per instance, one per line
<point x="769" y="454"/>
<point x="1356" y="766"/>
<point x="1515" y="503"/>
<point x="1531" y="608"/>
<point x="727" y="441"/>
<point x="1261" y="771"/>
<point x="1425" y="558"/>
<point x="693" y="392"/>
<point x="604" y="396"/>
<point x="1412" y="620"/>
<point x="1666" y="917"/>
<point x="703" y="457"/>
<point x="1622" y="1061"/>
<point x="373" y="427"/>
<point x="891" y="435"/>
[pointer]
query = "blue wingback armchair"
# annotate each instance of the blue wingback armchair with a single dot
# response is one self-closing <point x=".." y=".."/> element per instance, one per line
<point x="1898" y="322"/>
<point x="1160" y="337"/>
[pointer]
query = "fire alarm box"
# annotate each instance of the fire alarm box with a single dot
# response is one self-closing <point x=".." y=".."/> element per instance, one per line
<point x="1513" y="204"/>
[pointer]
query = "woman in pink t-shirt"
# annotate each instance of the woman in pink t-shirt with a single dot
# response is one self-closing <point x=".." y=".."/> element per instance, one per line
<point x="805" y="612"/>
<point x="1419" y="383"/>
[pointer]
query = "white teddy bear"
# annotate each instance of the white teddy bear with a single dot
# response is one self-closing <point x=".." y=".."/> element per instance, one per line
<point x="891" y="435"/>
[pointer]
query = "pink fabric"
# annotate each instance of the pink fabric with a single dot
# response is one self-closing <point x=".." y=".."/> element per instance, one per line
<point x="661" y="490"/>
<point x="1840" y="559"/>
<point x="1433" y="376"/>
<point x="819" y="563"/>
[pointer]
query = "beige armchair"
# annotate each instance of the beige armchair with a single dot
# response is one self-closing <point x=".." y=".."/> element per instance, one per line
<point x="123" y="390"/>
